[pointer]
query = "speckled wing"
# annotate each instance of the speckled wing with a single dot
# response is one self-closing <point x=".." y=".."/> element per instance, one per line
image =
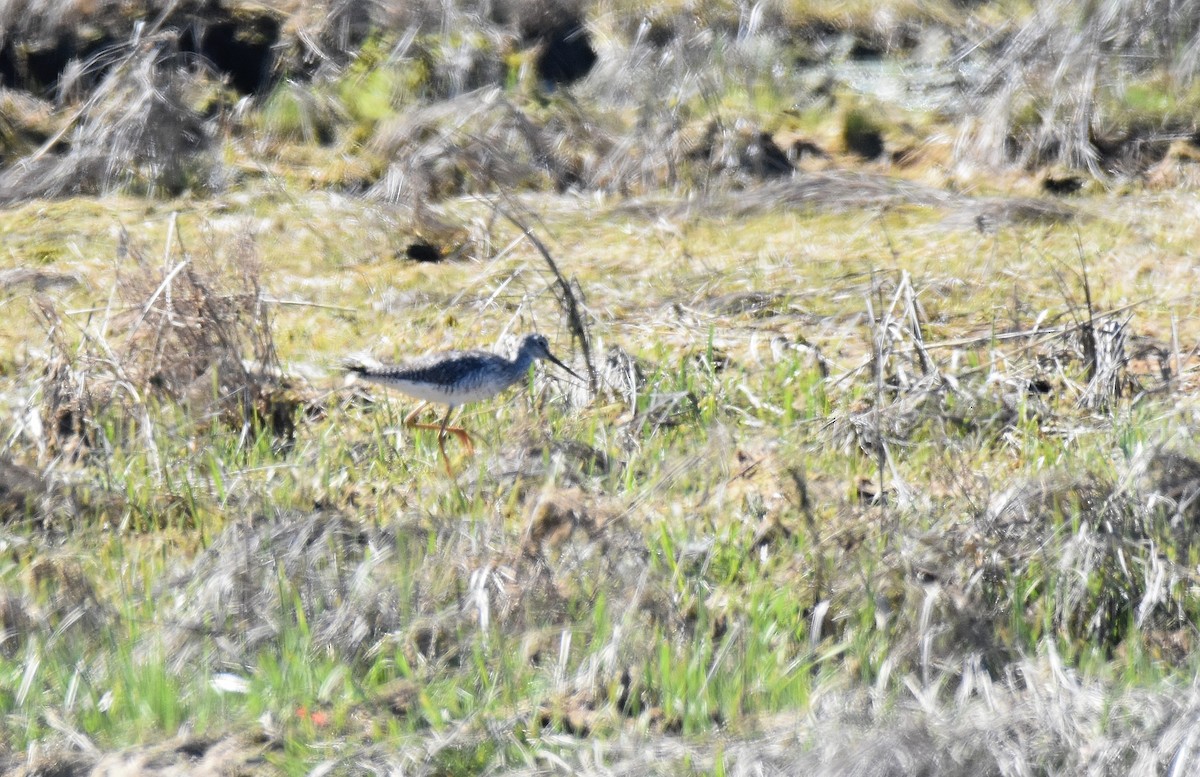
<point x="449" y="378"/>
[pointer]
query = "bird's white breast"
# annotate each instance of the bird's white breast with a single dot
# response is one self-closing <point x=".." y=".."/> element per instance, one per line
<point x="432" y="393"/>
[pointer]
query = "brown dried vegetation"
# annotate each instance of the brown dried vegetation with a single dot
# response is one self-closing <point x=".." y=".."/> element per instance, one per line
<point x="929" y="512"/>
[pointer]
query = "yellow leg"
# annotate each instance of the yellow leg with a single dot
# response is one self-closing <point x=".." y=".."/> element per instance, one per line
<point x="411" y="422"/>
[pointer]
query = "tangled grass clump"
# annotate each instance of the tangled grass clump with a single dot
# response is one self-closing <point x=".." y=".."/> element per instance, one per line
<point x="194" y="332"/>
<point x="139" y="130"/>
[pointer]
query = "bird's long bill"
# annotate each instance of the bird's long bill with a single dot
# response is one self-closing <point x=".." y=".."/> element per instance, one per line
<point x="554" y="359"/>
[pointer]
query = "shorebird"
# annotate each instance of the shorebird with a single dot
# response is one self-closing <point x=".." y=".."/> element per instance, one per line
<point x="454" y="378"/>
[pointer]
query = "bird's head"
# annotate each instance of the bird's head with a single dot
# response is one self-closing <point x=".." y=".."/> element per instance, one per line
<point x="535" y="346"/>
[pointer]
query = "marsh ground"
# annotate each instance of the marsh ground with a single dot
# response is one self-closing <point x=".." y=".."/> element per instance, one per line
<point x="889" y="463"/>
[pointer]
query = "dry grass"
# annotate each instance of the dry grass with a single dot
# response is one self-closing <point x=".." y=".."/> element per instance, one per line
<point x="139" y="130"/>
<point x="447" y="102"/>
<point x="1040" y="717"/>
<point x="1053" y="92"/>
<point x="191" y="328"/>
<point x="878" y="471"/>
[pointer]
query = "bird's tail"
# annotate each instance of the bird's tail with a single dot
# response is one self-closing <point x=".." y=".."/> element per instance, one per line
<point x="358" y="367"/>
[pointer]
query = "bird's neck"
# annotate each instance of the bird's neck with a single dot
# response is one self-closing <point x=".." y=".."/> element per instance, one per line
<point x="523" y="359"/>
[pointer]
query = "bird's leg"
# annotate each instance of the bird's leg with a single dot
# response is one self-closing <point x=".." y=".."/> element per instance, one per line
<point x="442" y="429"/>
<point x="442" y="439"/>
<point x="457" y="431"/>
<point x="410" y="420"/>
<point x="445" y="458"/>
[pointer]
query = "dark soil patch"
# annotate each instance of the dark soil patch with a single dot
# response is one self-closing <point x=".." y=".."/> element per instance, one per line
<point x="240" y="47"/>
<point x="566" y="56"/>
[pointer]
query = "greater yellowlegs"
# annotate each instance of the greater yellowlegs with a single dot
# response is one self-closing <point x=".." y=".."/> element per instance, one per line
<point x="454" y="378"/>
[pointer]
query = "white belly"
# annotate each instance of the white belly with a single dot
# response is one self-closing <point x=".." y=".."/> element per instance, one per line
<point x="439" y="394"/>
